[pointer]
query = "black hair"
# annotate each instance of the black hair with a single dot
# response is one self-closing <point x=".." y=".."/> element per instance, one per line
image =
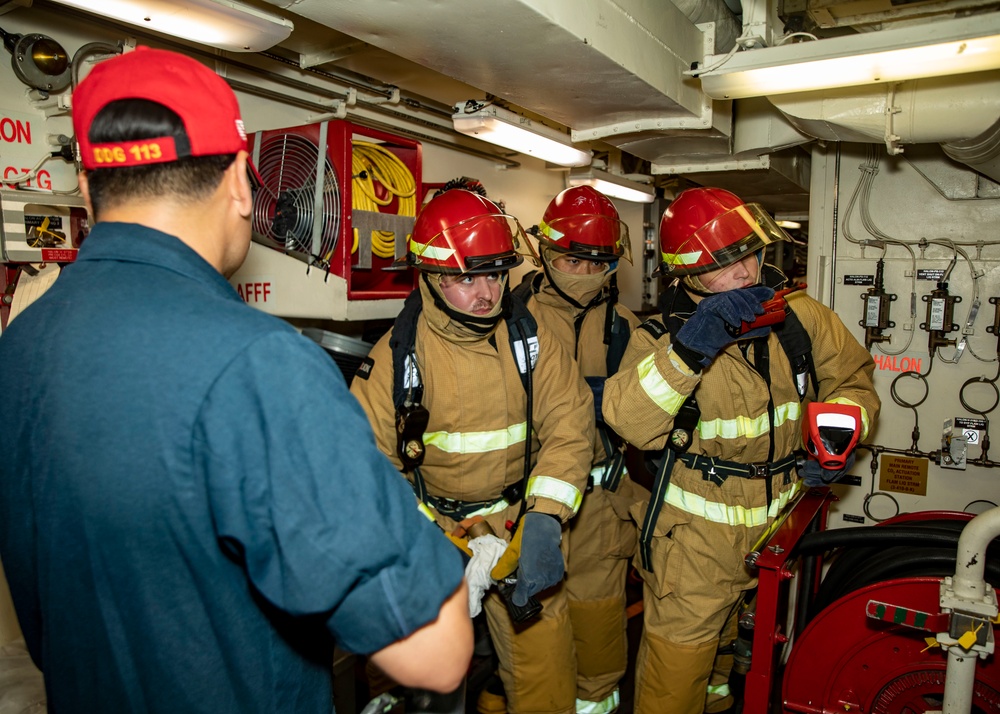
<point x="187" y="179"/>
<point x="469" y="184"/>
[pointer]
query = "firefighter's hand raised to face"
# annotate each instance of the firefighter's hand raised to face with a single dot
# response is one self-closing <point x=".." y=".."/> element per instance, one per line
<point x="708" y="331"/>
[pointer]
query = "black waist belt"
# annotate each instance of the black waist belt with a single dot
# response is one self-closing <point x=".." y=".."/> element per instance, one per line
<point x="460" y="510"/>
<point x="718" y="470"/>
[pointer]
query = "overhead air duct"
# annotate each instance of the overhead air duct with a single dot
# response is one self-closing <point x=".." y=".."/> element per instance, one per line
<point x="960" y="113"/>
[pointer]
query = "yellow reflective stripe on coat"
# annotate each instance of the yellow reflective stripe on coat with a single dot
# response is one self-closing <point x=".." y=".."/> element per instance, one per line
<point x="723" y="513"/>
<point x="605" y="706"/>
<point x="425" y="509"/>
<point x="476" y="442"/>
<point x="865" y="423"/>
<point x="555" y="489"/>
<point x="721" y="690"/>
<point x="657" y="388"/>
<point x="750" y="428"/>
<point x="490" y="510"/>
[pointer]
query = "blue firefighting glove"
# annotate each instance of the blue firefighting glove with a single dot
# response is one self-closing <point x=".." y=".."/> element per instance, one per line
<point x="535" y="553"/>
<point x="541" y="564"/>
<point x="705" y="333"/>
<point x="815" y="475"/>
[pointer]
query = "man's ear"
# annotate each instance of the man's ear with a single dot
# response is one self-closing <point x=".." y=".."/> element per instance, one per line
<point x="238" y="178"/>
<point x="84" y="184"/>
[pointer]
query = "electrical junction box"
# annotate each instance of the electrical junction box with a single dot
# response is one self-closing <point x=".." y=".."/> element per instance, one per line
<point x="37" y="227"/>
<point x="954" y="446"/>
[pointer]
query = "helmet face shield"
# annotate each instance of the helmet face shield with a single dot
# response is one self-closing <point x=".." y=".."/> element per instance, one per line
<point x="591" y="237"/>
<point x="727" y="239"/>
<point x="486" y="243"/>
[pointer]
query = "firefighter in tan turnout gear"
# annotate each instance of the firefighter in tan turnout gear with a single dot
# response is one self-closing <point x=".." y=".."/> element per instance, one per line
<point x="581" y="240"/>
<point x="478" y="434"/>
<point x="728" y="410"/>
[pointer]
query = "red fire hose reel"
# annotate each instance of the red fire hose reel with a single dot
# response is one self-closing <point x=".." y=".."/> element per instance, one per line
<point x="869" y="651"/>
<point x="849" y="660"/>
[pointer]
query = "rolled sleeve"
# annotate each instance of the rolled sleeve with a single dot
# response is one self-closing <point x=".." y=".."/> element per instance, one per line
<point x="322" y="522"/>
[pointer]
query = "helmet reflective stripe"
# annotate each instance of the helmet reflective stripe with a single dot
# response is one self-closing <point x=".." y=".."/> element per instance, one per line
<point x="550" y="232"/>
<point x="556" y="490"/>
<point x="423" y="250"/>
<point x="681" y="258"/>
<point x="723" y="513"/>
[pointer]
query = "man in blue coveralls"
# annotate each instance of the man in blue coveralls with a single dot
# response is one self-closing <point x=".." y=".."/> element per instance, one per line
<point x="192" y="506"/>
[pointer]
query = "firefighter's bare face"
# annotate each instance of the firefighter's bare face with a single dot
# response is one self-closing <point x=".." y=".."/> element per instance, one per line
<point x="741" y="274"/>
<point x="477" y="294"/>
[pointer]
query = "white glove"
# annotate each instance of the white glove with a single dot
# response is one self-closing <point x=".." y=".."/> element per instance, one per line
<point x="486" y="551"/>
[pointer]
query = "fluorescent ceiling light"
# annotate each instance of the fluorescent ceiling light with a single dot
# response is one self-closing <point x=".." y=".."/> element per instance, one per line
<point x="513" y="131"/>
<point x="933" y="49"/>
<point x="612" y="185"/>
<point x="226" y="24"/>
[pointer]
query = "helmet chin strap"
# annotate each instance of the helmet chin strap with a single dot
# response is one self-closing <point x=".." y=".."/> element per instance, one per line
<point x="478" y="324"/>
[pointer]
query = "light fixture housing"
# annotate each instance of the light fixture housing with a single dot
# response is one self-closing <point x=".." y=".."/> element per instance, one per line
<point x="512" y="131"/>
<point x="612" y="185"/>
<point x="939" y="48"/>
<point x="225" y="24"/>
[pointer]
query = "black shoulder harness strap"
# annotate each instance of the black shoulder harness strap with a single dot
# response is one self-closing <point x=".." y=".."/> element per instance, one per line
<point x="408" y="390"/>
<point x="797" y="344"/>
<point x="616" y="331"/>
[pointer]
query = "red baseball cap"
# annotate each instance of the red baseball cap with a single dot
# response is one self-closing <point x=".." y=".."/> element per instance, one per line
<point x="200" y="97"/>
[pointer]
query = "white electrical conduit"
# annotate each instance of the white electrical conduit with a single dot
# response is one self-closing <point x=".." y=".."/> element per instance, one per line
<point x="968" y="583"/>
<point x="862" y="195"/>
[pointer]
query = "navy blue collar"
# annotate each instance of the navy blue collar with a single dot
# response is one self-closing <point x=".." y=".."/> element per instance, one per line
<point x="133" y="243"/>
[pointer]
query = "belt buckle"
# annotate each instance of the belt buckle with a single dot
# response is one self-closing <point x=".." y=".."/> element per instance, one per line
<point x="759" y="471"/>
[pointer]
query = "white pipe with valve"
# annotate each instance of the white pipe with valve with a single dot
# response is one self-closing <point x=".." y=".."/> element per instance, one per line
<point x="967" y="595"/>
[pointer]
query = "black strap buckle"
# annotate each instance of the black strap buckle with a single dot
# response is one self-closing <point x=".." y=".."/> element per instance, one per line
<point x="759" y="470"/>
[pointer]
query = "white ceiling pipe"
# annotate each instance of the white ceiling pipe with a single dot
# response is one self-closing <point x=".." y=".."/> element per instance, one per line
<point x="961" y="113"/>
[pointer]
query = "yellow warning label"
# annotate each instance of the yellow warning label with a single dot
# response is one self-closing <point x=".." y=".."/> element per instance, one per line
<point x="902" y="474"/>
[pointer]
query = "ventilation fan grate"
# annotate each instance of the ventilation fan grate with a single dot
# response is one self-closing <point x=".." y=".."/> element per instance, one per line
<point x="297" y="209"/>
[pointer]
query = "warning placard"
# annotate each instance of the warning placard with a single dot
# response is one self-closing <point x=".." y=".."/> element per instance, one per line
<point x="902" y="474"/>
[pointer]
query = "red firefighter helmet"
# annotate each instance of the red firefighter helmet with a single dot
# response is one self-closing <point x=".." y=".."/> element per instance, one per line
<point x="583" y="222"/>
<point x="706" y="229"/>
<point x="460" y="231"/>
